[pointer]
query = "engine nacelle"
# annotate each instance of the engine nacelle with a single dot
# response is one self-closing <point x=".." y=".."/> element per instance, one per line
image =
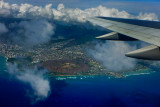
<point x="149" y="53"/>
<point x="116" y="36"/>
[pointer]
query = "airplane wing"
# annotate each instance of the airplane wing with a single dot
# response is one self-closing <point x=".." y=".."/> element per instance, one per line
<point x="130" y="29"/>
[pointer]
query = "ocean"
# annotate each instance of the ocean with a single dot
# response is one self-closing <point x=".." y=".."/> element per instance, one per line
<point x="84" y="91"/>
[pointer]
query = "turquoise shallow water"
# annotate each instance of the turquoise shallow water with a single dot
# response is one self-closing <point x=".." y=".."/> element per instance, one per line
<point x="85" y="91"/>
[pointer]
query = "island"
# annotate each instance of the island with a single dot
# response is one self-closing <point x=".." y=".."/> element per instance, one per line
<point x="60" y="57"/>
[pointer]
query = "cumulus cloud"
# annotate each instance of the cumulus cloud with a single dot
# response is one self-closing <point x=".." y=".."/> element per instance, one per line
<point x="35" y="78"/>
<point x="66" y="14"/>
<point x="31" y="32"/>
<point x="3" y="28"/>
<point x="112" y="55"/>
<point x="146" y="16"/>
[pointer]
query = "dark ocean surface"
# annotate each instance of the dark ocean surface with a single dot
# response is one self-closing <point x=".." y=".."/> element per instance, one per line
<point x="84" y="91"/>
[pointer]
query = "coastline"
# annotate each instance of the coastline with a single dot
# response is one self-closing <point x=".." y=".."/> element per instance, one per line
<point x="136" y="73"/>
<point x="107" y="74"/>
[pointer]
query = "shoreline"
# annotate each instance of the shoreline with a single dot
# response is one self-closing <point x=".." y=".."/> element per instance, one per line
<point x="134" y="73"/>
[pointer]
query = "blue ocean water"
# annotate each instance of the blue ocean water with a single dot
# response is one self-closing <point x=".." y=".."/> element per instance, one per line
<point x="85" y="91"/>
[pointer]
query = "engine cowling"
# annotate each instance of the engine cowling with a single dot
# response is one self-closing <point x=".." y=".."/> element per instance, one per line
<point x="116" y="36"/>
<point x="149" y="53"/>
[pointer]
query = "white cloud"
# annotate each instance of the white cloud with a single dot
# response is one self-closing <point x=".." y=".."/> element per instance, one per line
<point x="147" y="16"/>
<point x="35" y="78"/>
<point x="32" y="32"/>
<point x="66" y="14"/>
<point x="3" y="28"/>
<point x="112" y="55"/>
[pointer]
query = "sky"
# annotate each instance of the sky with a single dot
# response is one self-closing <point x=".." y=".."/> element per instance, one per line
<point x="39" y="30"/>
